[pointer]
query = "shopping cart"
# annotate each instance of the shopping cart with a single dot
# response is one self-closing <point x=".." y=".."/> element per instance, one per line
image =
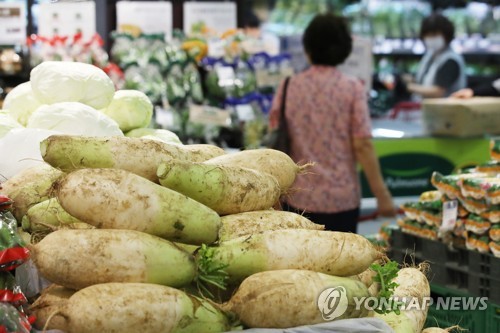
<point x="406" y="111"/>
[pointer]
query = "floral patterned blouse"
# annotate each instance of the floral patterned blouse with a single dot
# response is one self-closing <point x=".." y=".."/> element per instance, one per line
<point x="325" y="110"/>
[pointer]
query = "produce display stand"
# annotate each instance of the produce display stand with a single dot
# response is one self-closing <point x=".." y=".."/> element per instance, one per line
<point x="473" y="320"/>
<point x="454" y="272"/>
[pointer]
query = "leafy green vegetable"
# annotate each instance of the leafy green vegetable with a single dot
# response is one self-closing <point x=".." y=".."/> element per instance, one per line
<point x="385" y="275"/>
<point x="209" y="272"/>
<point x="432" y="206"/>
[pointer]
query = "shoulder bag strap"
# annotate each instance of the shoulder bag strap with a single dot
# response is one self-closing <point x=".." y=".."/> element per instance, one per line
<point x="283" y="102"/>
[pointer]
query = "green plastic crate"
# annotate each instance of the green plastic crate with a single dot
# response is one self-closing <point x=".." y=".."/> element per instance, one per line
<point x="493" y="320"/>
<point x="473" y="321"/>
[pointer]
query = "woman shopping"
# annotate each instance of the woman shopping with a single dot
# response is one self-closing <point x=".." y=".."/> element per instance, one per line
<point x="328" y="123"/>
<point x="441" y="71"/>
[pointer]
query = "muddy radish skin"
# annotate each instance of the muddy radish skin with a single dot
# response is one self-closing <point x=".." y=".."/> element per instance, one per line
<point x="412" y="283"/>
<point x="250" y="223"/>
<point x="202" y="153"/>
<point x="30" y="187"/>
<point x="140" y="156"/>
<point x="273" y="162"/>
<point x="367" y="277"/>
<point x="289" y="298"/>
<point x="80" y="258"/>
<point x="52" y="299"/>
<point x="144" y="308"/>
<point x="117" y="199"/>
<point x="227" y="190"/>
<point x="334" y="253"/>
<point x="46" y="214"/>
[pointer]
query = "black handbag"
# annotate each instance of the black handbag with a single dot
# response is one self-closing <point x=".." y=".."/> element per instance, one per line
<point x="278" y="138"/>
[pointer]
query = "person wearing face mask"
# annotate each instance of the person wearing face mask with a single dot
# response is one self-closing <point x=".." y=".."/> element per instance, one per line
<point x="441" y="71"/>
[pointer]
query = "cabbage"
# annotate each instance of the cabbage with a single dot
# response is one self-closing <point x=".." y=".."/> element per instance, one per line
<point x="20" y="150"/>
<point x="21" y="102"/>
<point x="7" y="123"/>
<point x="73" y="118"/>
<point x="130" y="109"/>
<point x="60" y="81"/>
<point x="155" y="134"/>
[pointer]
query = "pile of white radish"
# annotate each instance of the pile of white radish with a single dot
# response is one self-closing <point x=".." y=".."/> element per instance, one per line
<point x="136" y="232"/>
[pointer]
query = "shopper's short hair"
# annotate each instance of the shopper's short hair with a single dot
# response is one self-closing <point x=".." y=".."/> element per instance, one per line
<point x="327" y="40"/>
<point x="437" y="23"/>
<point x="251" y="20"/>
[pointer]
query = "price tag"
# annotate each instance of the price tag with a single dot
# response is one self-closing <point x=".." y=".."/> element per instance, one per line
<point x="245" y="112"/>
<point x="67" y="19"/>
<point x="206" y="115"/>
<point x="217" y="16"/>
<point x="262" y="77"/>
<point x="226" y="75"/>
<point x="450" y="213"/>
<point x="148" y="17"/>
<point x="13" y="23"/>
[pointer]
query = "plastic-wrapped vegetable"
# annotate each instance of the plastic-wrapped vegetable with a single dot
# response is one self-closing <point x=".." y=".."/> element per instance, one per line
<point x="216" y="87"/>
<point x="495" y="148"/>
<point x="495" y="248"/>
<point x="12" y="250"/>
<point x="10" y="291"/>
<point x="489" y="167"/>
<point x="412" y="210"/>
<point x="482" y="188"/>
<point x="192" y="82"/>
<point x="450" y="185"/>
<point x="245" y="81"/>
<point x="13" y="321"/>
<point x="175" y="85"/>
<point x="492" y="214"/>
<point x="477" y="224"/>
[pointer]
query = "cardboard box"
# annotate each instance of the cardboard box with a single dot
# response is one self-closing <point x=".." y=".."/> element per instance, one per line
<point x="477" y="116"/>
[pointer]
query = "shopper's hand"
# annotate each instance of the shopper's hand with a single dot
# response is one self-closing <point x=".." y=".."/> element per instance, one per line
<point x="407" y="78"/>
<point x="385" y="205"/>
<point x="463" y="93"/>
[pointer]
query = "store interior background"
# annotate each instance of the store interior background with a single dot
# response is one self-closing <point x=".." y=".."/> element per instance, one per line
<point x="395" y="45"/>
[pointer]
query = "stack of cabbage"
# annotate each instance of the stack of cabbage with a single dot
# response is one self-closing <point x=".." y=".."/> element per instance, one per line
<point x="68" y="98"/>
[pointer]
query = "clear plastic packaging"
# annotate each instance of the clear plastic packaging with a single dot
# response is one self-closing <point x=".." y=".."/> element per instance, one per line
<point x="12" y="248"/>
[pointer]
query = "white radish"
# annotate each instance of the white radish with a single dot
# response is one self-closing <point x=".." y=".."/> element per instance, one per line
<point x="80" y="258"/>
<point x="414" y="288"/>
<point x="334" y="253"/>
<point x="144" y="308"/>
<point x="117" y="199"/>
<point x="291" y="298"/>
<point x="227" y="190"/>
<point x="29" y="187"/>
<point x="237" y="225"/>
<point x="273" y="162"/>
